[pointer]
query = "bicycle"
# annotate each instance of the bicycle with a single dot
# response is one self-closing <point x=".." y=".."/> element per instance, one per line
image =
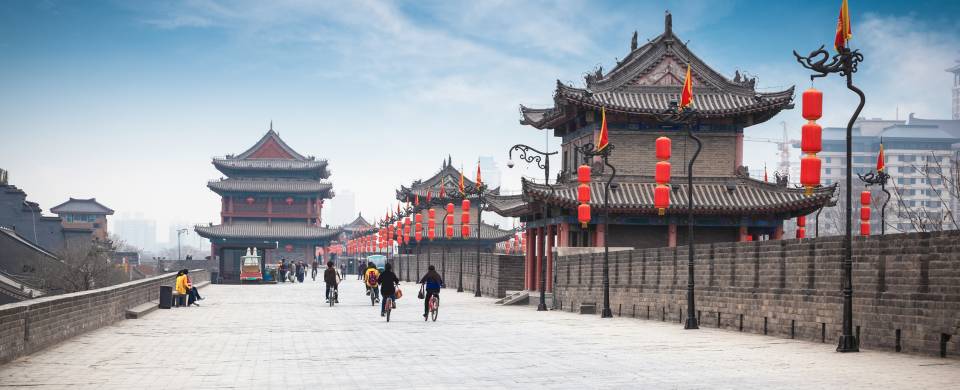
<point x="331" y="295"/>
<point x="387" y="307"/>
<point x="434" y="307"/>
<point x="374" y="295"/>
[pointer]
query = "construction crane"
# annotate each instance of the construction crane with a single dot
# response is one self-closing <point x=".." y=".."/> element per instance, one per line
<point x="783" y="145"/>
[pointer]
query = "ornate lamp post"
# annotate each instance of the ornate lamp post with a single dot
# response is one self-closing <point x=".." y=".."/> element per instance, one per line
<point x="542" y="159"/>
<point x="589" y="151"/>
<point x="845" y="64"/>
<point x="690" y="118"/>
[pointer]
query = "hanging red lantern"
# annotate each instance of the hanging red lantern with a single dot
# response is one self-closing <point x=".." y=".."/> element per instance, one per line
<point x="250" y="200"/>
<point x="809" y="172"/>
<point x="465" y="231"/>
<point x="661" y="198"/>
<point x="801" y="226"/>
<point x="289" y="200"/>
<point x="430" y="230"/>
<point x="865" y="213"/>
<point x="801" y="232"/>
<point x="865" y="198"/>
<point x="811" y="138"/>
<point x="812" y="104"/>
<point x="748" y="237"/>
<point x="663" y="172"/>
<point x="288" y="248"/>
<point x="431" y="214"/>
<point x="465" y="205"/>
<point x="864" y="228"/>
<point x="450" y="208"/>
<point x="583" y="193"/>
<point x="418" y="233"/>
<point x="583" y="174"/>
<point x="449" y="230"/>
<point x="418" y="218"/>
<point x="583" y="214"/>
<point x="465" y="218"/>
<point x="663" y="144"/>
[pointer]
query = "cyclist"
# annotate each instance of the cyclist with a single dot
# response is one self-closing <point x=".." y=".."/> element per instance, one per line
<point x="433" y="283"/>
<point x="388" y="287"/>
<point x="371" y="277"/>
<point x="313" y="270"/>
<point x="331" y="279"/>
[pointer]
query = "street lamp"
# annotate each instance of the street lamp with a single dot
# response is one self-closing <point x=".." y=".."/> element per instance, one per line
<point x="179" y="233"/>
<point x="589" y="151"/>
<point x="845" y="64"/>
<point x="879" y="177"/>
<point x="542" y="159"/>
<point x="689" y="117"/>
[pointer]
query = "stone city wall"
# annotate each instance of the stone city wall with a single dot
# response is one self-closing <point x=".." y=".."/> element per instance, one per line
<point x="906" y="288"/>
<point x="499" y="273"/>
<point x="29" y="326"/>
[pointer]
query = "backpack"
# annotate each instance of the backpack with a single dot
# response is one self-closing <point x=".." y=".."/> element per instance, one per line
<point x="372" y="278"/>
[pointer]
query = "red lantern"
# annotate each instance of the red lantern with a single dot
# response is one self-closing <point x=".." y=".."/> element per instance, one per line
<point x="664" y="145"/>
<point x="289" y="200"/>
<point x="802" y="221"/>
<point x="865" y="214"/>
<point x="801" y="232"/>
<point x="583" y="174"/>
<point x="583" y="193"/>
<point x="418" y="218"/>
<point x="250" y="200"/>
<point x="418" y="233"/>
<point x="811" y="138"/>
<point x="465" y="205"/>
<point x="748" y="238"/>
<point x="430" y="232"/>
<point x="449" y="219"/>
<point x="431" y="214"/>
<point x="450" y="208"/>
<point x="465" y="218"/>
<point x="661" y="198"/>
<point x="465" y="231"/>
<point x="449" y="230"/>
<point x="663" y="172"/>
<point x="812" y="104"/>
<point x="809" y="172"/>
<point x="583" y="214"/>
<point x="288" y="248"/>
<point x="864" y="228"/>
<point x="865" y="198"/>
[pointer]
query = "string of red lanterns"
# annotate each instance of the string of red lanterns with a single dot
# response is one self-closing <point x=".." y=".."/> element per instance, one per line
<point x="465" y="219"/>
<point x="431" y="223"/>
<point x="583" y="194"/>
<point x="811" y="140"/>
<point x="661" y="194"/>
<point x="802" y="226"/>
<point x="865" y="213"/>
<point x="449" y="220"/>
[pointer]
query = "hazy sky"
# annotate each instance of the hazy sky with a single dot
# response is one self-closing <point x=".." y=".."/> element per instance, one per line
<point x="127" y="101"/>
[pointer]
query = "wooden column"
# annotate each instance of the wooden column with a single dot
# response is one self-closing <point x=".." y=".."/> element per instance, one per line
<point x="598" y="239"/>
<point x="778" y="233"/>
<point x="743" y="234"/>
<point x="672" y="235"/>
<point x="551" y="230"/>
<point x="528" y="260"/>
<point x="563" y="235"/>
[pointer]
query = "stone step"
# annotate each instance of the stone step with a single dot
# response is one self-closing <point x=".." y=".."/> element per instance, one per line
<point x="516" y="298"/>
<point x="141" y="310"/>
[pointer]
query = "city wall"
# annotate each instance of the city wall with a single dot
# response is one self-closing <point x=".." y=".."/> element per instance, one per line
<point x="29" y="326"/>
<point x="906" y="288"/>
<point x="499" y="273"/>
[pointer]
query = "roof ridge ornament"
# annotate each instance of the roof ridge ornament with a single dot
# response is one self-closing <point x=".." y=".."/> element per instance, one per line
<point x="667" y="23"/>
<point x="633" y="41"/>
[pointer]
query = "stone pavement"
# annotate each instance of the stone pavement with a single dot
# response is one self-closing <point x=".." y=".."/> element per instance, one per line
<point x="284" y="336"/>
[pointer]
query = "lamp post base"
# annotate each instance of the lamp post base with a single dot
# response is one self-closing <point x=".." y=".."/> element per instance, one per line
<point x="691" y="324"/>
<point x="460" y="288"/>
<point x="477" y="293"/>
<point x="606" y="313"/>
<point x="542" y="306"/>
<point x="848" y="343"/>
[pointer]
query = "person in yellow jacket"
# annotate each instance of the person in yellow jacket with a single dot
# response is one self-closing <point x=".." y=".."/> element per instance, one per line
<point x="184" y="287"/>
<point x="371" y="277"/>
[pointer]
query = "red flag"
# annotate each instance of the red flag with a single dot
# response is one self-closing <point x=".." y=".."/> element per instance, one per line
<point x="603" y="139"/>
<point x="461" y="179"/>
<point x="765" y="173"/>
<point x="429" y="195"/>
<point x="416" y="200"/>
<point x="686" y="96"/>
<point x="880" y="163"/>
<point x="478" y="174"/>
<point x="443" y="193"/>
<point x="843" y="27"/>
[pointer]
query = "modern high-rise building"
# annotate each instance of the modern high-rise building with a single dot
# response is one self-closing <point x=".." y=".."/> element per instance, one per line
<point x="920" y="158"/>
<point x="137" y="231"/>
<point x="343" y="208"/>
<point x="490" y="171"/>
<point x="956" y="90"/>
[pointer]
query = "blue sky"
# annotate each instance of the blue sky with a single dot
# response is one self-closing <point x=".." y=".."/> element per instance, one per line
<point x="128" y="101"/>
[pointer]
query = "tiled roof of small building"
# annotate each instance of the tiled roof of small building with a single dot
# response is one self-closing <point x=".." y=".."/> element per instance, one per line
<point x="81" y="206"/>
<point x="266" y="231"/>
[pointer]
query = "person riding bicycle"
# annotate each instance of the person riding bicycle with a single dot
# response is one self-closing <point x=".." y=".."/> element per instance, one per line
<point x="388" y="287"/>
<point x="433" y="283"/>
<point x="313" y="269"/>
<point x="371" y="277"/>
<point x="331" y="279"/>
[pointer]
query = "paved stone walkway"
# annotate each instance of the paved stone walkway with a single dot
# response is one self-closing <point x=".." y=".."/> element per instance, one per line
<point x="284" y="336"/>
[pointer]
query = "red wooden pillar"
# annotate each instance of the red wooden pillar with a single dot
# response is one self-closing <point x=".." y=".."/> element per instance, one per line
<point x="598" y="239"/>
<point x="563" y="235"/>
<point x="672" y="235"/>
<point x="778" y="234"/>
<point x="538" y="258"/>
<point x="551" y="230"/>
<point x="528" y="260"/>
<point x="743" y="234"/>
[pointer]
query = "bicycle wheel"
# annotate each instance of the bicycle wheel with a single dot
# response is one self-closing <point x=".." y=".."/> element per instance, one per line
<point x="388" y="307"/>
<point x="373" y="297"/>
<point x="435" y="306"/>
<point x="330" y="296"/>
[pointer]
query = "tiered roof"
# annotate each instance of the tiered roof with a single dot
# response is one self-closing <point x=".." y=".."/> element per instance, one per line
<point x="357" y="225"/>
<point x="712" y="196"/>
<point x="266" y="231"/>
<point x="649" y="78"/>
<point x="269" y="185"/>
<point x="271" y="155"/>
<point x="448" y="177"/>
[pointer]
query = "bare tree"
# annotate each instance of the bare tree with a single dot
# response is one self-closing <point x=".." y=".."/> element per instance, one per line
<point x="86" y="265"/>
<point x="945" y="187"/>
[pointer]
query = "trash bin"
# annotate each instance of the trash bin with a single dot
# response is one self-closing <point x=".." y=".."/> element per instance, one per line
<point x="166" y="297"/>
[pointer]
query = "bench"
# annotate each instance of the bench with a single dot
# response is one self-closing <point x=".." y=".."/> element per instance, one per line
<point x="588" y="308"/>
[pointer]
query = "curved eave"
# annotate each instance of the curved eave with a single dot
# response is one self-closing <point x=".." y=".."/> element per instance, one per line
<point x="226" y="168"/>
<point x="324" y="192"/>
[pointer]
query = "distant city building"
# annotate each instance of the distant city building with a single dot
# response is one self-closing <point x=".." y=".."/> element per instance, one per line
<point x="27" y="219"/>
<point x="920" y="156"/>
<point x="490" y="171"/>
<point x="84" y="215"/>
<point x="343" y="208"/>
<point x="137" y="231"/>
<point x="956" y="90"/>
